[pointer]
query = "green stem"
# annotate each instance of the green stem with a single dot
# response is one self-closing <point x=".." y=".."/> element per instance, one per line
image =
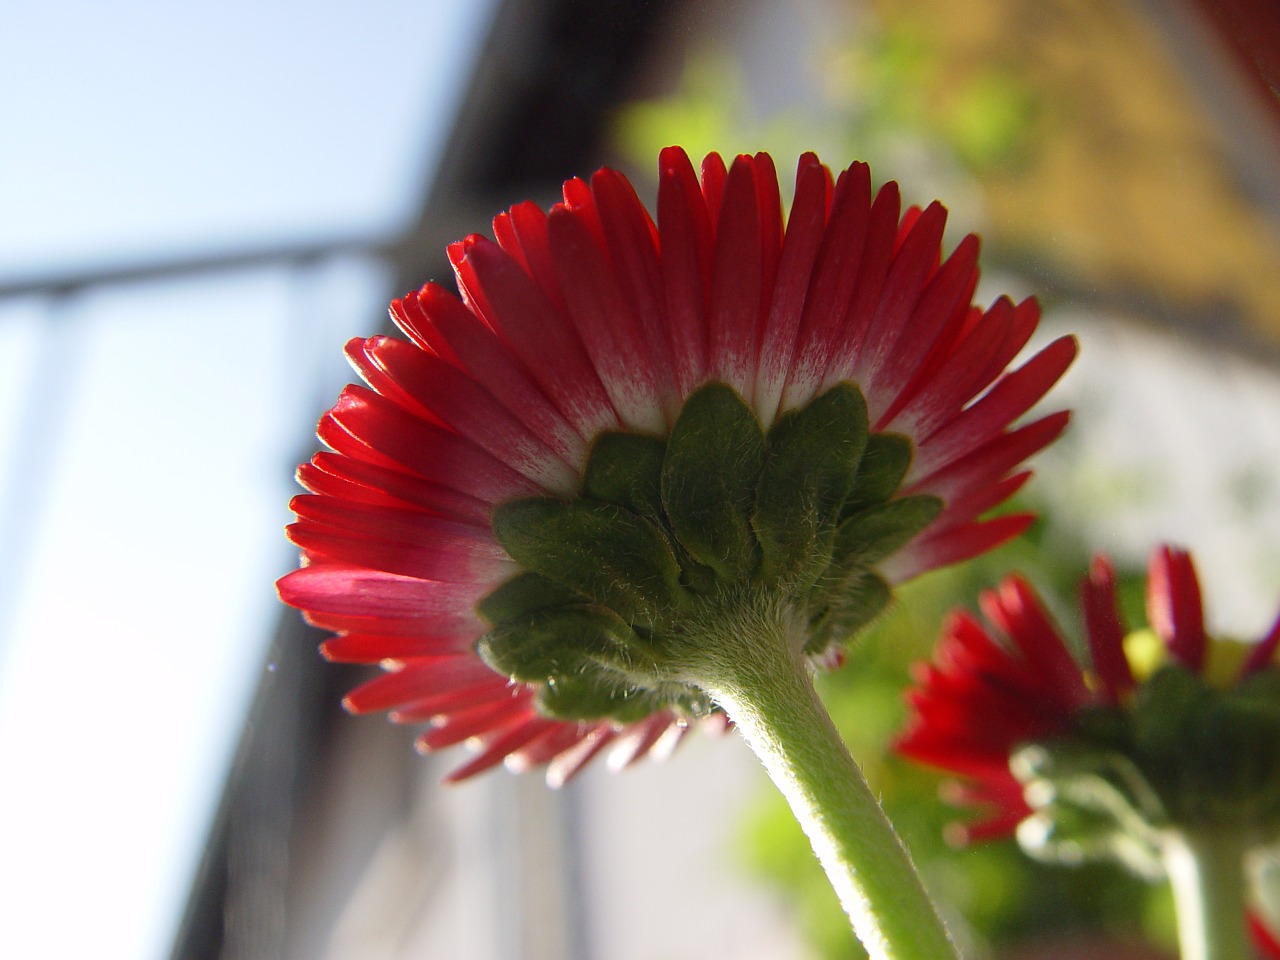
<point x="1206" y="872"/>
<point x="765" y="687"/>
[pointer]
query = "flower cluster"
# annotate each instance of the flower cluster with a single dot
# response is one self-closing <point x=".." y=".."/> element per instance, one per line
<point x="1171" y="701"/>
<point x="1166" y="734"/>
<point x="623" y="427"/>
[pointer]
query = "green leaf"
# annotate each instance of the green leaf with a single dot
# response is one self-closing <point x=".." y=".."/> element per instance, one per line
<point x="714" y="457"/>
<point x="809" y="469"/>
<point x="603" y="551"/>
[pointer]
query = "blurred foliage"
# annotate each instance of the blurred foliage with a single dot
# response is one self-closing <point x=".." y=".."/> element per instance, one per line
<point x="997" y="895"/>
<point x="1094" y="164"/>
<point x="1093" y="160"/>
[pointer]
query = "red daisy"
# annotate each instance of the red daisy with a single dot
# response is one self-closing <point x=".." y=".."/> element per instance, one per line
<point x="590" y="320"/>
<point x="992" y="690"/>
<point x="988" y="692"/>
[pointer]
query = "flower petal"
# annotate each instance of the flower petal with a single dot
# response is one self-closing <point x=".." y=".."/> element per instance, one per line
<point x="800" y="246"/>
<point x="1105" y="630"/>
<point x="333" y="475"/>
<point x="368" y="428"/>
<point x="1173" y="606"/>
<point x="608" y="327"/>
<point x="1009" y="399"/>
<point x="685" y="232"/>
<point x="538" y="334"/>
<point x="344" y="589"/>
<point x="439" y="392"/>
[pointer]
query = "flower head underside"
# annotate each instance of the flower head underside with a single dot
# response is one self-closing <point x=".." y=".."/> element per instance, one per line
<point x="625" y="428"/>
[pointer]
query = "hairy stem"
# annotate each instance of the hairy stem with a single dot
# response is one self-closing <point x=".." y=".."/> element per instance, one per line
<point x="1206" y="872"/>
<point x="765" y="687"/>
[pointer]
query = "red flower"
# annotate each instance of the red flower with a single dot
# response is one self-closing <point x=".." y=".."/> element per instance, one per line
<point x="592" y="318"/>
<point x="991" y="690"/>
<point x="1263" y="938"/>
<point x="985" y="695"/>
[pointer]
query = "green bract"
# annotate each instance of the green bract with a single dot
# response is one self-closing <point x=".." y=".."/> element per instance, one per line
<point x="676" y="541"/>
<point x="1185" y="756"/>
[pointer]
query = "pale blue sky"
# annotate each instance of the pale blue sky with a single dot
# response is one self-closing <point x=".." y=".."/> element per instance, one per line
<point x="137" y="129"/>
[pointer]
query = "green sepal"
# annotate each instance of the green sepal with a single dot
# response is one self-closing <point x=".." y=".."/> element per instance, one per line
<point x="557" y="642"/>
<point x="595" y="696"/>
<point x="872" y="534"/>
<point x="1259" y="692"/>
<point x="847" y="605"/>
<point x="714" y="457"/>
<point x="884" y="464"/>
<point x="522" y="595"/>
<point x="1239" y="755"/>
<point x="603" y="551"/>
<point x="1091" y="802"/>
<point x="1213" y="755"/>
<point x="1069" y="834"/>
<point x="810" y="466"/>
<point x="626" y="469"/>
<point x="1165" y="712"/>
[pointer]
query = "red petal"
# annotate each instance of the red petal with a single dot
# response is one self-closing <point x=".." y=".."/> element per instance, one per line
<point x="1173" y="605"/>
<point x="605" y="321"/>
<point x="857" y="316"/>
<point x="372" y="648"/>
<point x="1267" y="942"/>
<point x="736" y="282"/>
<point x="343" y="589"/>
<point x="481" y="354"/>
<point x="834" y="278"/>
<point x="1009" y="399"/>
<point x="334" y="475"/>
<point x="990" y="461"/>
<point x="476" y="721"/>
<point x="1105" y="630"/>
<point x="569" y="763"/>
<point x="1264" y="651"/>
<point x="417" y="679"/>
<point x="1016" y="610"/>
<point x="713" y="176"/>
<point x="529" y="240"/>
<point x="914" y="261"/>
<point x="965" y="367"/>
<point x="686" y="239"/>
<point x="552" y="743"/>
<point x="481" y="690"/>
<point x="978" y="501"/>
<point x="392" y="523"/>
<point x="637" y="739"/>
<point x="632" y="240"/>
<point x="800" y="247"/>
<point x="372" y="429"/>
<point x="542" y="337"/>
<point x="934" y="323"/>
<point x="538" y="442"/>
<point x="503" y="743"/>
<point x="955" y="545"/>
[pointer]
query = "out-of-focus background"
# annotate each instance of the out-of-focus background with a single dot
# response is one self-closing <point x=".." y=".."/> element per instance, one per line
<point x="199" y="203"/>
